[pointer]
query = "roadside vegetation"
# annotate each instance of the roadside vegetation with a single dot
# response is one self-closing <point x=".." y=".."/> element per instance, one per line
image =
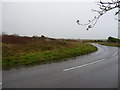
<point x="25" y="51"/>
<point x="111" y="42"/>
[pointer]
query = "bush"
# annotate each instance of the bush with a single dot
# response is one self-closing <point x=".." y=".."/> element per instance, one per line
<point x="112" y="39"/>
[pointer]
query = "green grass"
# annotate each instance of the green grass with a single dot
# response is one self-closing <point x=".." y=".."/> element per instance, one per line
<point x="42" y="52"/>
<point x="110" y="44"/>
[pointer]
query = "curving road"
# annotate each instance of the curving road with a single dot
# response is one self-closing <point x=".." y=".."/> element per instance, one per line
<point x="95" y="70"/>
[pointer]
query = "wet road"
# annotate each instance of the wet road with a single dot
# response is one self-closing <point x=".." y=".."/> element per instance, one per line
<point x="95" y="70"/>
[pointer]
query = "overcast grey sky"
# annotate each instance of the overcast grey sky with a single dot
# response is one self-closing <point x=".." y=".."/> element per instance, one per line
<point x="56" y="20"/>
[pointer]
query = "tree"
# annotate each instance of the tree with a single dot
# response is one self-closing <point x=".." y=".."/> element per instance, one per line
<point x="112" y="39"/>
<point x="104" y="6"/>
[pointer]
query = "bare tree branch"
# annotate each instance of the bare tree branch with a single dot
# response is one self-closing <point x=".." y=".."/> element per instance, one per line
<point x="104" y="8"/>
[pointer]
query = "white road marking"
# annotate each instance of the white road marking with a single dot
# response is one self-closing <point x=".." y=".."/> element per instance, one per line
<point x="83" y="65"/>
<point x="115" y="54"/>
<point x="0" y="83"/>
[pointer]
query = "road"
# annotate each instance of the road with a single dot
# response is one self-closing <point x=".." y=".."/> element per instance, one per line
<point x="95" y="70"/>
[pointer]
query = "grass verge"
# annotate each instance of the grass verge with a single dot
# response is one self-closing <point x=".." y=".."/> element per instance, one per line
<point x="110" y="44"/>
<point x="47" y="56"/>
<point x="37" y="51"/>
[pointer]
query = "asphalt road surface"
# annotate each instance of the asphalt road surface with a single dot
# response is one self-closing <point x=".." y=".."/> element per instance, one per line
<point x="95" y="70"/>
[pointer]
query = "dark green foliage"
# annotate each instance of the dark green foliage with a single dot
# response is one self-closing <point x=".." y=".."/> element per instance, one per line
<point x="112" y="39"/>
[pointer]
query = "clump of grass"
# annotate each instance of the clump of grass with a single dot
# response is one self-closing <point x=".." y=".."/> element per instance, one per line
<point x="42" y="51"/>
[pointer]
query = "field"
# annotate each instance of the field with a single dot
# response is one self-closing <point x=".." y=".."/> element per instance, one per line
<point x="24" y="51"/>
